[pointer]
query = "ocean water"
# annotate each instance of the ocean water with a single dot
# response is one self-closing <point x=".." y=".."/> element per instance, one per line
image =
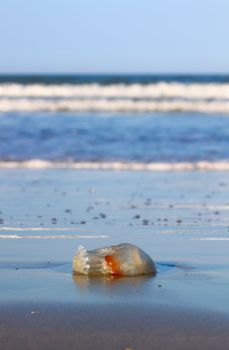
<point x="150" y="122"/>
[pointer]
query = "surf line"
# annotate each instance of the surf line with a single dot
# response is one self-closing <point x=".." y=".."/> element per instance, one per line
<point x="53" y="237"/>
<point x="210" y="239"/>
<point x="39" y="229"/>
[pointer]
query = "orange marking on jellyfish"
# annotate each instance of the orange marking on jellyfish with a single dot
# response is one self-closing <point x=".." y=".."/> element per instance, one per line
<point x="113" y="264"/>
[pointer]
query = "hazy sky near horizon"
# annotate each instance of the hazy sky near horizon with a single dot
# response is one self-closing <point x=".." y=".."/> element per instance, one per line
<point x="114" y="36"/>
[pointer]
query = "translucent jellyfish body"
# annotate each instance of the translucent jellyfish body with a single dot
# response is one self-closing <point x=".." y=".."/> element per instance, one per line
<point x="117" y="260"/>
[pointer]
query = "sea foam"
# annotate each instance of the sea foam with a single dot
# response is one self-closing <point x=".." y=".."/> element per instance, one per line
<point x="161" y="96"/>
<point x="116" y="165"/>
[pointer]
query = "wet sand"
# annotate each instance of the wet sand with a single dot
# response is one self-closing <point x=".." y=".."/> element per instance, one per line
<point x="179" y="218"/>
<point x="110" y="327"/>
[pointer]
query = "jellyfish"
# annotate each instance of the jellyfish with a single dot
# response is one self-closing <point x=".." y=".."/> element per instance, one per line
<point x="117" y="260"/>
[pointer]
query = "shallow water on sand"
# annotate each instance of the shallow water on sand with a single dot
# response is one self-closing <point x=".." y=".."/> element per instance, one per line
<point x="178" y="218"/>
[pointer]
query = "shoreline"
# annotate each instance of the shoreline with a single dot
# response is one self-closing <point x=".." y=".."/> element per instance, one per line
<point x="176" y="217"/>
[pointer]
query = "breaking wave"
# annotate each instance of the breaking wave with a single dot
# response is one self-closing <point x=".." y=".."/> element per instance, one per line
<point x="161" y="96"/>
<point x="134" y="166"/>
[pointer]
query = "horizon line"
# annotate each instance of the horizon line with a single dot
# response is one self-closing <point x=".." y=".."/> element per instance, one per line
<point x="114" y="73"/>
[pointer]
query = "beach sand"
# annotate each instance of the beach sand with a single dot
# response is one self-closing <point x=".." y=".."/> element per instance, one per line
<point x="179" y="218"/>
<point x="110" y="327"/>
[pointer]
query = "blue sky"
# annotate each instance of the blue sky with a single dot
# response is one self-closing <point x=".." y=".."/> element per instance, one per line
<point x="114" y="36"/>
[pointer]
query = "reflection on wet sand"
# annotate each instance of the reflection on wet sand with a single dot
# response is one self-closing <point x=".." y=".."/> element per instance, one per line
<point x="112" y="286"/>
